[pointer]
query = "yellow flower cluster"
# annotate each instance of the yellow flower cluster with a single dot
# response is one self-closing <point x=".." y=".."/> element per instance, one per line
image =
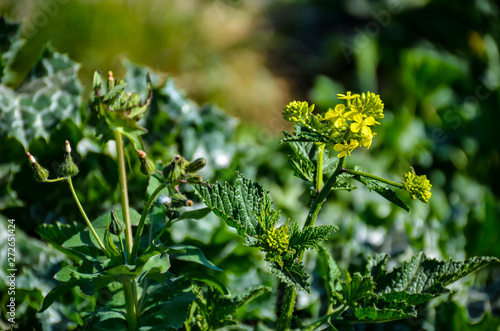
<point x="418" y="186"/>
<point x="348" y="125"/>
<point x="298" y="112"/>
<point x="277" y="239"/>
<point x="360" y="114"/>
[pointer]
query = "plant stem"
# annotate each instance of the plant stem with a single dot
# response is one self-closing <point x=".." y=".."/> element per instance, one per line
<point x="129" y="288"/>
<point x="325" y="318"/>
<point x="291" y="292"/>
<point x="319" y="170"/>
<point x="142" y="221"/>
<point x="287" y="309"/>
<point x="130" y="306"/>
<point x="70" y="182"/>
<point x="387" y="181"/>
<point x="318" y="202"/>
<point x="55" y="180"/>
<point x="124" y="192"/>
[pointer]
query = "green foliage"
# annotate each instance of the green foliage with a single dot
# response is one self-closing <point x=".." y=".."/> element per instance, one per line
<point x="49" y="95"/>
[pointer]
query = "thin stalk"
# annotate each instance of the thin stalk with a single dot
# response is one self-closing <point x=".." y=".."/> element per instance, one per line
<point x="130" y="306"/>
<point x="124" y="192"/>
<point x="319" y="168"/>
<point x="387" y="181"/>
<point x="325" y="318"/>
<point x="70" y="182"/>
<point x="142" y="221"/>
<point x="55" y="180"/>
<point x="129" y="288"/>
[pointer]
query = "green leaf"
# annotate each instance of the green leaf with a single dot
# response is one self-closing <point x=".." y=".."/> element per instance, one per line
<point x="48" y="96"/>
<point x="304" y="160"/>
<point x="310" y="237"/>
<point x="195" y="214"/>
<point x="292" y="273"/>
<point x="250" y="295"/>
<point x="424" y="275"/>
<point x="153" y="265"/>
<point x="56" y="293"/>
<point x="169" y="313"/>
<point x="331" y="274"/>
<point x="382" y="189"/>
<point x="209" y="280"/>
<point x="191" y="254"/>
<point x="373" y="314"/>
<point x="237" y="205"/>
<point x="358" y="288"/>
<point x="58" y="233"/>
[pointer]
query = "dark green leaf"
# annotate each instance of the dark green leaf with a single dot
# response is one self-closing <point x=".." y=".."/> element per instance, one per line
<point x="209" y="280"/>
<point x="191" y="254"/>
<point x="358" y="288"/>
<point x="331" y="273"/>
<point x="292" y="273"/>
<point x="373" y="314"/>
<point x="195" y="214"/>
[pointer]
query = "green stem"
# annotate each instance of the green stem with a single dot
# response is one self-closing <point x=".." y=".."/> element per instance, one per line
<point x="142" y="221"/>
<point x="291" y="292"/>
<point x="287" y="309"/>
<point x="70" y="182"/>
<point x="325" y="318"/>
<point x="319" y="172"/>
<point x="124" y="192"/>
<point x="130" y="306"/>
<point x="318" y="202"/>
<point x="55" y="180"/>
<point x="129" y="288"/>
<point x="387" y="181"/>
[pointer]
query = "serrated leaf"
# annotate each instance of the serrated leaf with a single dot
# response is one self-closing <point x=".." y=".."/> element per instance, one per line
<point x="236" y="204"/>
<point x="250" y="295"/>
<point x="191" y="254"/>
<point x="331" y="273"/>
<point x="48" y="96"/>
<point x="57" y="234"/>
<point x="382" y="189"/>
<point x="424" y="275"/>
<point x="292" y="273"/>
<point x="357" y="288"/>
<point x="373" y="314"/>
<point x="310" y="237"/>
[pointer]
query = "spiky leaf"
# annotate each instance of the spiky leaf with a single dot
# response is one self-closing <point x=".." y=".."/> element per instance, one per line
<point x="236" y="204"/>
<point x="292" y="273"/>
<point x="311" y="237"/>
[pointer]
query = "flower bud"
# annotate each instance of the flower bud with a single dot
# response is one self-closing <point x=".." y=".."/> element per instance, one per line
<point x="41" y="174"/>
<point x="68" y="168"/>
<point x="173" y="171"/>
<point x="180" y="200"/>
<point x="196" y="165"/>
<point x="194" y="179"/>
<point x="116" y="226"/>
<point x="111" y="80"/>
<point x="419" y="187"/>
<point x="147" y="166"/>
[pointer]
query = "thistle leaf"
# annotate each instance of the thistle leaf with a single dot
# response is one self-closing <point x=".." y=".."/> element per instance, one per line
<point x="311" y="237"/>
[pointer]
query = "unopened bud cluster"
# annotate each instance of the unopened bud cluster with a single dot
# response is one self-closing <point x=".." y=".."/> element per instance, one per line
<point x="182" y="171"/>
<point x="419" y="187"/>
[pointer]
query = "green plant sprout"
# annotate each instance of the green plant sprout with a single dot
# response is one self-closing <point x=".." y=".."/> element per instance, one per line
<point x="129" y="253"/>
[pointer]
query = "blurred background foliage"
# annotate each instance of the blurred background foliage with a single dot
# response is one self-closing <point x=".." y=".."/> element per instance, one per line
<point x="435" y="63"/>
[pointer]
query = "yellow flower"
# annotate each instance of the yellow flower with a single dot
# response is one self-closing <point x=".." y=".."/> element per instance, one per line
<point x="338" y="116"/>
<point x="367" y="140"/>
<point x="362" y="124"/>
<point x="418" y="186"/>
<point x="347" y="97"/>
<point x="346" y="148"/>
